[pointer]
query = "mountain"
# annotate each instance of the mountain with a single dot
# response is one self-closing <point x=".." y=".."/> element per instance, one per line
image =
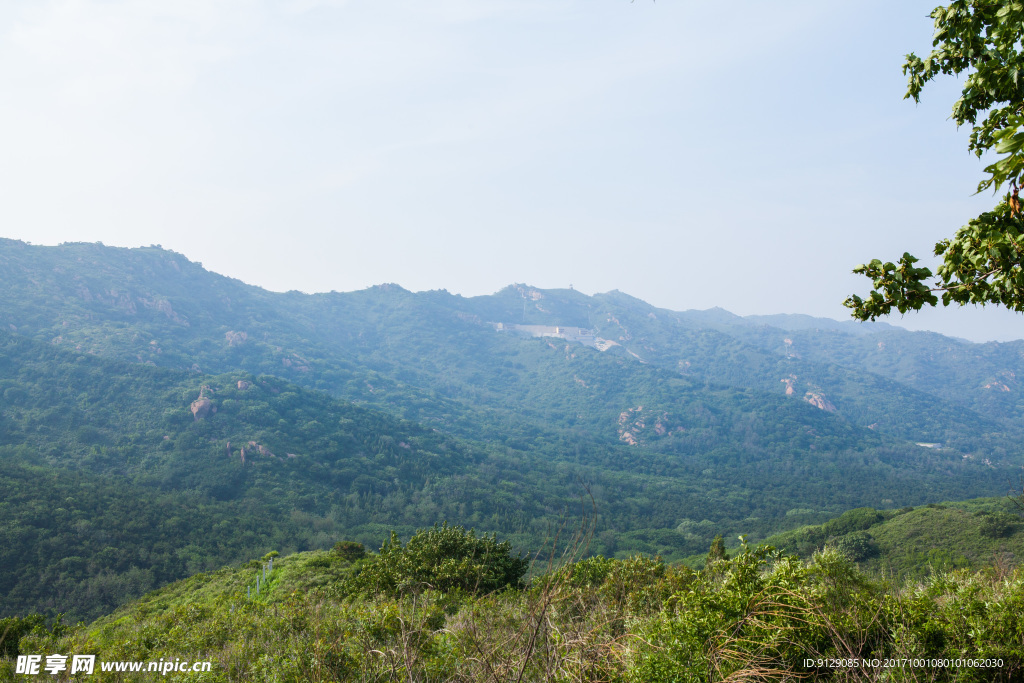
<point x="415" y="353"/>
<point x="505" y="412"/>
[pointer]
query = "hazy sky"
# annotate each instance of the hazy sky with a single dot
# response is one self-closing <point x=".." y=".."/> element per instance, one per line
<point x="687" y="155"/>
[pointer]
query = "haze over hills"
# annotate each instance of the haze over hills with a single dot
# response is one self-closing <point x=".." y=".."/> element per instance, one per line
<point x="402" y="409"/>
<point x="153" y="306"/>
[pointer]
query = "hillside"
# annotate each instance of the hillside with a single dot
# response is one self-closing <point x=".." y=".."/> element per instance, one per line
<point x="330" y="616"/>
<point x="116" y="478"/>
<point x="402" y="409"/>
<point x="434" y="357"/>
<point x="145" y="479"/>
<point x="913" y="543"/>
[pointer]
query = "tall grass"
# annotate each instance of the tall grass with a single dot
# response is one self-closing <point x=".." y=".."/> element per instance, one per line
<point x="756" y="617"/>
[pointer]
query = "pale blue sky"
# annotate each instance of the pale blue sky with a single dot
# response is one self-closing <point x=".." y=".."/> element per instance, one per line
<point x="686" y="154"/>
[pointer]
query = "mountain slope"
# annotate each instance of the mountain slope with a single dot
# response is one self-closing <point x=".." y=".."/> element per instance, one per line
<point x="111" y="485"/>
<point x="402" y="409"/>
<point x="916" y="542"/>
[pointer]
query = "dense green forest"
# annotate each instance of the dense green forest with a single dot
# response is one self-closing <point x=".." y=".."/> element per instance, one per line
<point x="134" y="381"/>
<point x="113" y="485"/>
<point x="433" y="357"/>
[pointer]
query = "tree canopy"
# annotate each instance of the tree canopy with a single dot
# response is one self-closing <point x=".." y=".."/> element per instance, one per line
<point x="444" y="558"/>
<point x="981" y="263"/>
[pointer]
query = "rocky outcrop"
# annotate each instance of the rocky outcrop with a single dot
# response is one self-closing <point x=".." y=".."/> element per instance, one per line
<point x="296" y="362"/>
<point x="1003" y="382"/>
<point x="634" y="425"/>
<point x="529" y="293"/>
<point x="243" y="385"/>
<point x="819" y="401"/>
<point x="261" y="449"/>
<point x="235" y="338"/>
<point x="164" y="306"/>
<point x="202" y="406"/>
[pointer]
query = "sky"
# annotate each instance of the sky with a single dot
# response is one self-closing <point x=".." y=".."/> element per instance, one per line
<point x="686" y="155"/>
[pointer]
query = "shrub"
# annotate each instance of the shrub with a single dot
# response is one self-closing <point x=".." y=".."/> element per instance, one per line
<point x="444" y="558"/>
<point x="857" y="519"/>
<point x="717" y="551"/>
<point x="349" y="550"/>
<point x="857" y="546"/>
<point x="13" y="628"/>
<point x="997" y="525"/>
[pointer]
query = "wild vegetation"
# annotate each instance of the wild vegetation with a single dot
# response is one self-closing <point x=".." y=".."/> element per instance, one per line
<point x="914" y="543"/>
<point x="450" y="606"/>
<point x="159" y="421"/>
<point x="111" y="485"/>
<point x="402" y="409"/>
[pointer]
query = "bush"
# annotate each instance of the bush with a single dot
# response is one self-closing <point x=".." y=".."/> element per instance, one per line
<point x="444" y="558"/>
<point x="857" y="546"/>
<point x="13" y="628"/>
<point x="858" y="519"/>
<point x="349" y="550"/>
<point x="997" y="525"/>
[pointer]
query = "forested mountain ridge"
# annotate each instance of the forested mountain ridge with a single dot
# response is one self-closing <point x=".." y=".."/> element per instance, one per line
<point x="679" y="430"/>
<point x="416" y="353"/>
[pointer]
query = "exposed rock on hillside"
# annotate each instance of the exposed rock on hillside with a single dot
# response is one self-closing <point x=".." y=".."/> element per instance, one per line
<point x="1002" y="382"/>
<point x="164" y="306"/>
<point x="633" y="425"/>
<point x="261" y="449"/>
<point x="299" y="363"/>
<point x="820" y="401"/>
<point x="235" y="338"/>
<point x="202" y="406"/>
<point x="529" y="293"/>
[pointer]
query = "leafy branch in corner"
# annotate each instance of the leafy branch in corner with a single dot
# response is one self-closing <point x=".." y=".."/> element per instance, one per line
<point x="982" y="263"/>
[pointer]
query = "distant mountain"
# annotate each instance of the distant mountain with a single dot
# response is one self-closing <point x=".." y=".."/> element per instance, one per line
<point x="679" y="425"/>
<point x="793" y="322"/>
<point x="385" y="344"/>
